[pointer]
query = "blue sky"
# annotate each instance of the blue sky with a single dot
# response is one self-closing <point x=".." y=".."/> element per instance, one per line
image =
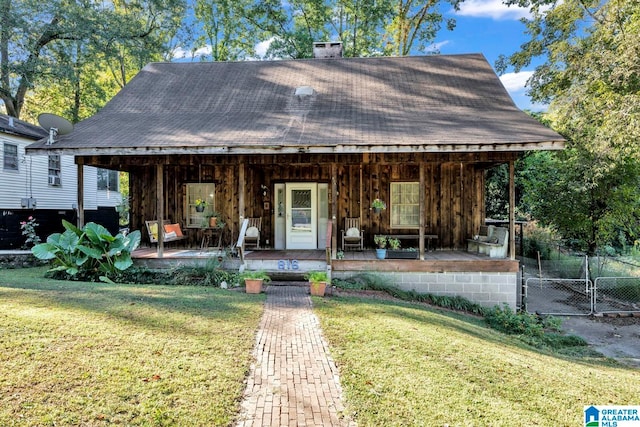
<point x="483" y="26"/>
<point x="491" y="28"/>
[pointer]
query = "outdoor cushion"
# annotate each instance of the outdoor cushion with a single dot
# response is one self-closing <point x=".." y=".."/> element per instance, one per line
<point x="169" y="236"/>
<point x="173" y="228"/>
<point x="353" y="232"/>
<point x="153" y="229"/>
<point x="253" y="232"/>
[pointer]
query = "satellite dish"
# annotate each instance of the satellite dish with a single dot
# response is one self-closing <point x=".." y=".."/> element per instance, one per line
<point x="55" y="125"/>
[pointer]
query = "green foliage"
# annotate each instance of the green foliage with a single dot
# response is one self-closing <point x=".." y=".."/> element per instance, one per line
<point x="538" y="240"/>
<point x="90" y="250"/>
<point x="367" y="28"/>
<point x="210" y="275"/>
<point x="394" y="244"/>
<point x="376" y="282"/>
<point x="256" y="275"/>
<point x="317" y="276"/>
<point x="71" y="57"/>
<point x="509" y="322"/>
<point x="380" y="241"/>
<point x="586" y="196"/>
<point x="590" y="77"/>
<point x="28" y="229"/>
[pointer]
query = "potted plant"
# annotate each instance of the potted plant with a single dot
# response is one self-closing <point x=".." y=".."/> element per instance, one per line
<point x="253" y="281"/>
<point x="378" y="205"/>
<point x="318" y="281"/>
<point x="394" y="244"/>
<point x="212" y="219"/>
<point x="381" y="242"/>
<point x="200" y="205"/>
<point x="396" y="253"/>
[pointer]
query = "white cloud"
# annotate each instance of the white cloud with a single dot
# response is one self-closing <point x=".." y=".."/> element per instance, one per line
<point x="262" y="47"/>
<point x="179" y="53"/>
<point x="515" y="82"/>
<point x="435" y="47"/>
<point x="494" y="9"/>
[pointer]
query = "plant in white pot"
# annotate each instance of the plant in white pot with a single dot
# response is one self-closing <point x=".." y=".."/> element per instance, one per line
<point x="318" y="281"/>
<point x="253" y="281"/>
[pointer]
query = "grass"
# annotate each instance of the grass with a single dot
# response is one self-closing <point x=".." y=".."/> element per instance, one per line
<point x="406" y="365"/>
<point x="74" y="353"/>
<point x="93" y="354"/>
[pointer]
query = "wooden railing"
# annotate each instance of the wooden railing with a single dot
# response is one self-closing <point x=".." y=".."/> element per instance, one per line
<point x="240" y="242"/>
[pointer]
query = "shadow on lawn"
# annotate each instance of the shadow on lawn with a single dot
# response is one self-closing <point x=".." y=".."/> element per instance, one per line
<point x="464" y="323"/>
<point x="149" y="306"/>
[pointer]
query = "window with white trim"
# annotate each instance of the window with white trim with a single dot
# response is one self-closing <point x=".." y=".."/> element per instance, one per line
<point x="107" y="179"/>
<point x="405" y="205"/>
<point x="55" y="170"/>
<point x="200" y="203"/>
<point x="10" y="157"/>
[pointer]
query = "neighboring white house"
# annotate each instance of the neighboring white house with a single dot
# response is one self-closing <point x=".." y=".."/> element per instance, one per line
<point x="45" y="187"/>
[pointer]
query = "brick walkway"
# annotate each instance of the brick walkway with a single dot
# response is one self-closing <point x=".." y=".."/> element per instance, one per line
<point x="294" y="381"/>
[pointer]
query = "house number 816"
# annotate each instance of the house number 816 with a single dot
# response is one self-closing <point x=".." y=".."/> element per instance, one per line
<point x="286" y="264"/>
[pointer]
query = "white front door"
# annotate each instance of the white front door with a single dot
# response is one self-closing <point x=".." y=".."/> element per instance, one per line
<point x="302" y="222"/>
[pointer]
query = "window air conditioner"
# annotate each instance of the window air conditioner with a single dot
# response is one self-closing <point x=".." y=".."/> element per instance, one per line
<point x="54" y="180"/>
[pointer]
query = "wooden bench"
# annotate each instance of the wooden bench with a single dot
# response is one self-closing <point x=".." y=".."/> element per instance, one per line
<point x="490" y="240"/>
<point x="172" y="232"/>
<point x="427" y="238"/>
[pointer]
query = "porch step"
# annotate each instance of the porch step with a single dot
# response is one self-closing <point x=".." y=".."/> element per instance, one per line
<point x="285" y="270"/>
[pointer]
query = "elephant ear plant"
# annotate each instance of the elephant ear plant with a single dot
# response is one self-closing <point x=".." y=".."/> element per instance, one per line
<point x="92" y="249"/>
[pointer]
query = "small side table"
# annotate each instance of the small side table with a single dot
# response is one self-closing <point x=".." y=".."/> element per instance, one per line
<point x="209" y="235"/>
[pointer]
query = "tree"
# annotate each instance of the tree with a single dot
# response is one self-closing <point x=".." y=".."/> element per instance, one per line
<point x="415" y="25"/>
<point x="366" y="27"/>
<point x="591" y="79"/>
<point x="223" y="29"/>
<point x="53" y="41"/>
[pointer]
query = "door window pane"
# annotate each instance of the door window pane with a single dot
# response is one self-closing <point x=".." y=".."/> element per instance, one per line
<point x="301" y="210"/>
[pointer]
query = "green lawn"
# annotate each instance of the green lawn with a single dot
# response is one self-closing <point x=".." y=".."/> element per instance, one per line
<point x="405" y="365"/>
<point x="94" y="354"/>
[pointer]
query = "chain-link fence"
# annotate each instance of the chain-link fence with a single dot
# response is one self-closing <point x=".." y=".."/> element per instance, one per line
<point x="558" y="296"/>
<point x="617" y="294"/>
<point x="565" y="286"/>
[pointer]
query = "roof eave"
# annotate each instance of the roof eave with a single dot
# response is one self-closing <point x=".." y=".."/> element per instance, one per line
<point x="316" y="149"/>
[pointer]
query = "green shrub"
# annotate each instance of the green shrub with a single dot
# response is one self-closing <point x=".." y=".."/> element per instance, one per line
<point x="89" y="252"/>
<point x="505" y="320"/>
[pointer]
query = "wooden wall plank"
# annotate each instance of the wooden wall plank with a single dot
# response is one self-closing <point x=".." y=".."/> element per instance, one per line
<point x="452" y="191"/>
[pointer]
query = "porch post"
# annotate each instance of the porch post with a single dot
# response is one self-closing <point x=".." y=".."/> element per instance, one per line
<point x="422" y="212"/>
<point x="80" y="207"/>
<point x="241" y="188"/>
<point x="160" y="207"/>
<point x="334" y="209"/>
<point x="512" y="210"/>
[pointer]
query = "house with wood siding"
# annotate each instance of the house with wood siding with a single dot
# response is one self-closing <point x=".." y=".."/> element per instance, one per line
<point x="305" y="144"/>
<point x="46" y="187"/>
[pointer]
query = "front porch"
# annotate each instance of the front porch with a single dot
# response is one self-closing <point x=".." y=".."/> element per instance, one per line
<point x="484" y="280"/>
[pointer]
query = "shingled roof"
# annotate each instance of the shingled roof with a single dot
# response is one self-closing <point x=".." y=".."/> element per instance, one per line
<point x="13" y="126"/>
<point x="444" y="103"/>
